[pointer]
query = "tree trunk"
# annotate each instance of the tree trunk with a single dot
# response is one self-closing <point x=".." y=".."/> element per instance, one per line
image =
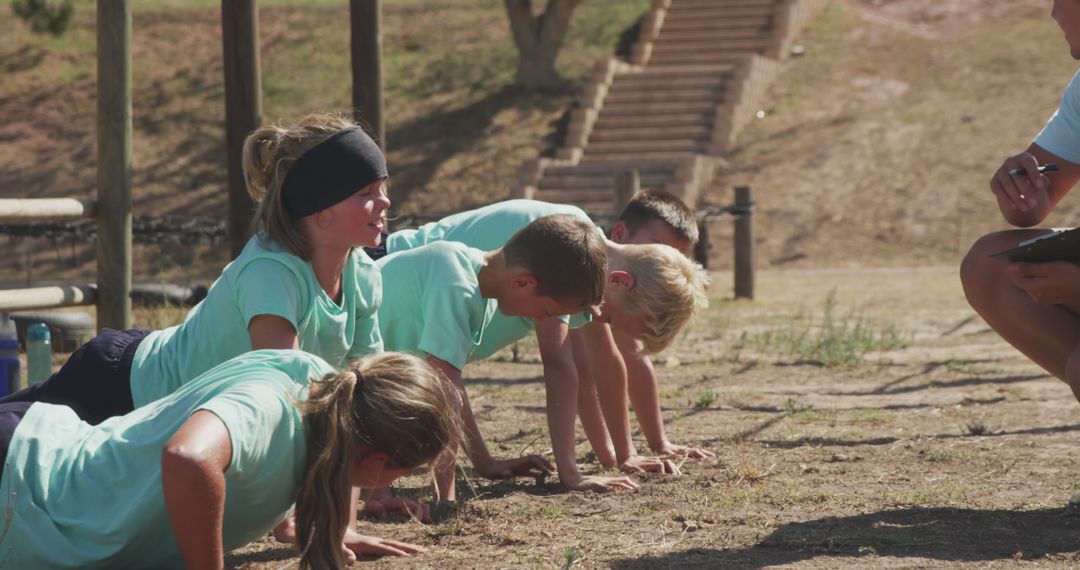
<point x="539" y="38"/>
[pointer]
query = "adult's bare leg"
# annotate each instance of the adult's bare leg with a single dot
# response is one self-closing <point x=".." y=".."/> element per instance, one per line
<point x="1047" y="334"/>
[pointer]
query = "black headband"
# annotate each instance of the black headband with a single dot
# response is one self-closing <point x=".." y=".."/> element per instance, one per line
<point x="331" y="171"/>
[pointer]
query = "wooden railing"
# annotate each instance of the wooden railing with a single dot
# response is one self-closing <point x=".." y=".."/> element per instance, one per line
<point x="57" y="209"/>
<point x="112" y="209"/>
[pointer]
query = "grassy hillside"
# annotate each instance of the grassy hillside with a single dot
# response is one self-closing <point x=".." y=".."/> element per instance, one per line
<point x="457" y="128"/>
<point x="875" y="149"/>
<point x="878" y="145"/>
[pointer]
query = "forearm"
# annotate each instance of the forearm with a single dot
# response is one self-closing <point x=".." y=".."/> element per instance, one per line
<point x="592" y="418"/>
<point x="474" y="442"/>
<point x="560" y="384"/>
<point x="645" y="399"/>
<point x="610" y="376"/>
<point x="592" y="421"/>
<point x="443" y="468"/>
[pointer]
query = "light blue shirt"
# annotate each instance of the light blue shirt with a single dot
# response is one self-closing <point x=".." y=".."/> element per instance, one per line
<point x="489" y="228"/>
<point x="264" y="280"/>
<point x="432" y="302"/>
<point x="91" y="496"/>
<point x="1061" y="135"/>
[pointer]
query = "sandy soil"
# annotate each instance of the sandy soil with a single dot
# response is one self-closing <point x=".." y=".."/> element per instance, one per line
<point x="951" y="451"/>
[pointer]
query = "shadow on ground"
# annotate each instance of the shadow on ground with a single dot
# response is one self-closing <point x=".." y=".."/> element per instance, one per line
<point x="943" y="534"/>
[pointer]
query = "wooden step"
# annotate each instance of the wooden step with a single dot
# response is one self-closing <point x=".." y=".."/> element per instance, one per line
<point x="605" y="206"/>
<point x="738" y="23"/>
<point x="582" y="181"/>
<point x="706" y="36"/>
<point x="671" y="96"/>
<point x="670" y="120"/>
<point x="632" y="156"/>
<point x="658" y="108"/>
<point x="715" y="44"/>
<point x="696" y="132"/>
<point x="605" y="192"/>
<point x="642" y="147"/>
<point x="640" y="81"/>
<point x="715" y="13"/>
<point x="700" y="3"/>
<point x="700" y="58"/>
<point x="606" y="169"/>
<point x="689" y="70"/>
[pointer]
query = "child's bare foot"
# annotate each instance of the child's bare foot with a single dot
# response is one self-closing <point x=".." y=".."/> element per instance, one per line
<point x="285" y="531"/>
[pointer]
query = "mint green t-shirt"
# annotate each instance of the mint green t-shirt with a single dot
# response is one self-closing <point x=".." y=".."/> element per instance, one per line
<point x="91" y="496"/>
<point x="489" y="228"/>
<point x="431" y="301"/>
<point x="263" y="280"/>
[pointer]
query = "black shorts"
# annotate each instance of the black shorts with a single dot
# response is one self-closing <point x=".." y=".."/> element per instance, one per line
<point x="95" y="382"/>
<point x="378" y="252"/>
<point x="10" y="416"/>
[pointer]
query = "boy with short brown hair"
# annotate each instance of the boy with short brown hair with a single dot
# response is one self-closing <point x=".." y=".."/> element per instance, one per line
<point x="439" y="298"/>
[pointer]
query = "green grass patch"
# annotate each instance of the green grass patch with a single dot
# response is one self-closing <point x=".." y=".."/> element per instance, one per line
<point x="831" y="340"/>
<point x="705" y="400"/>
<point x="871" y="417"/>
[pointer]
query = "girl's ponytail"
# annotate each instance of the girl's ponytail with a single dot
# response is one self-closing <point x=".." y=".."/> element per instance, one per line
<point x="391" y="403"/>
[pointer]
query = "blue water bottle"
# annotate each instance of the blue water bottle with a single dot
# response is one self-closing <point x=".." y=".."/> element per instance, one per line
<point x="38" y="353"/>
<point x="10" y="377"/>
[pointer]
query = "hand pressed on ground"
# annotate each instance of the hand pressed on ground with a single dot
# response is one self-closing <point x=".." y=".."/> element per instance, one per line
<point x="525" y="466"/>
<point x="669" y="448"/>
<point x="643" y="464"/>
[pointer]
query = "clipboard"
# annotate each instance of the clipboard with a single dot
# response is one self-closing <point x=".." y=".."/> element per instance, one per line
<point x="1061" y="245"/>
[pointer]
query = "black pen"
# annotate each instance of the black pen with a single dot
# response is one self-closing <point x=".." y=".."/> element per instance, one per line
<point x="1044" y="168"/>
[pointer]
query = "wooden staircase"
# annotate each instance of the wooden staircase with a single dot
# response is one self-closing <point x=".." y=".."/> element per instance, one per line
<point x="694" y="78"/>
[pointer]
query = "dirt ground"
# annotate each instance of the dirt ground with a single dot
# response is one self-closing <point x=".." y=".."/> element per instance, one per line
<point x="950" y="451"/>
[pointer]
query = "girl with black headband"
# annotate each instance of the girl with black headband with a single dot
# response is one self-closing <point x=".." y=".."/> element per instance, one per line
<point x="302" y="281"/>
<point x="217" y="463"/>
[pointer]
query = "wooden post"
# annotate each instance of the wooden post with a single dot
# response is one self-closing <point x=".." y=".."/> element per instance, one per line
<point x="114" y="164"/>
<point x="744" y="243"/>
<point x="243" y="106"/>
<point x="701" y="248"/>
<point x="627" y="183"/>
<point x="365" y="18"/>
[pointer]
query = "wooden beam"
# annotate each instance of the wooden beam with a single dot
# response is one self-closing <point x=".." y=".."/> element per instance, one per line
<point x="243" y="107"/>
<point x="744" y="244"/>
<point x="114" y="164"/>
<point x="51" y="209"/>
<point x="627" y="185"/>
<point x="365" y="18"/>
<point x="48" y="297"/>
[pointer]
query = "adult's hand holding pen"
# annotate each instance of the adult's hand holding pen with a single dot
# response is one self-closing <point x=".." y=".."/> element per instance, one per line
<point x="1024" y="191"/>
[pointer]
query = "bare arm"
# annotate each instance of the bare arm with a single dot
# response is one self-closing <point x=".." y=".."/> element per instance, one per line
<point x="645" y="398"/>
<point x="609" y="372"/>
<point x="193" y="466"/>
<point x="1026" y="200"/>
<point x="644" y="393"/>
<point x="592" y="418"/>
<point x="474" y="442"/>
<point x="272" y="331"/>
<point x="486" y="465"/>
<point x="560" y="385"/>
